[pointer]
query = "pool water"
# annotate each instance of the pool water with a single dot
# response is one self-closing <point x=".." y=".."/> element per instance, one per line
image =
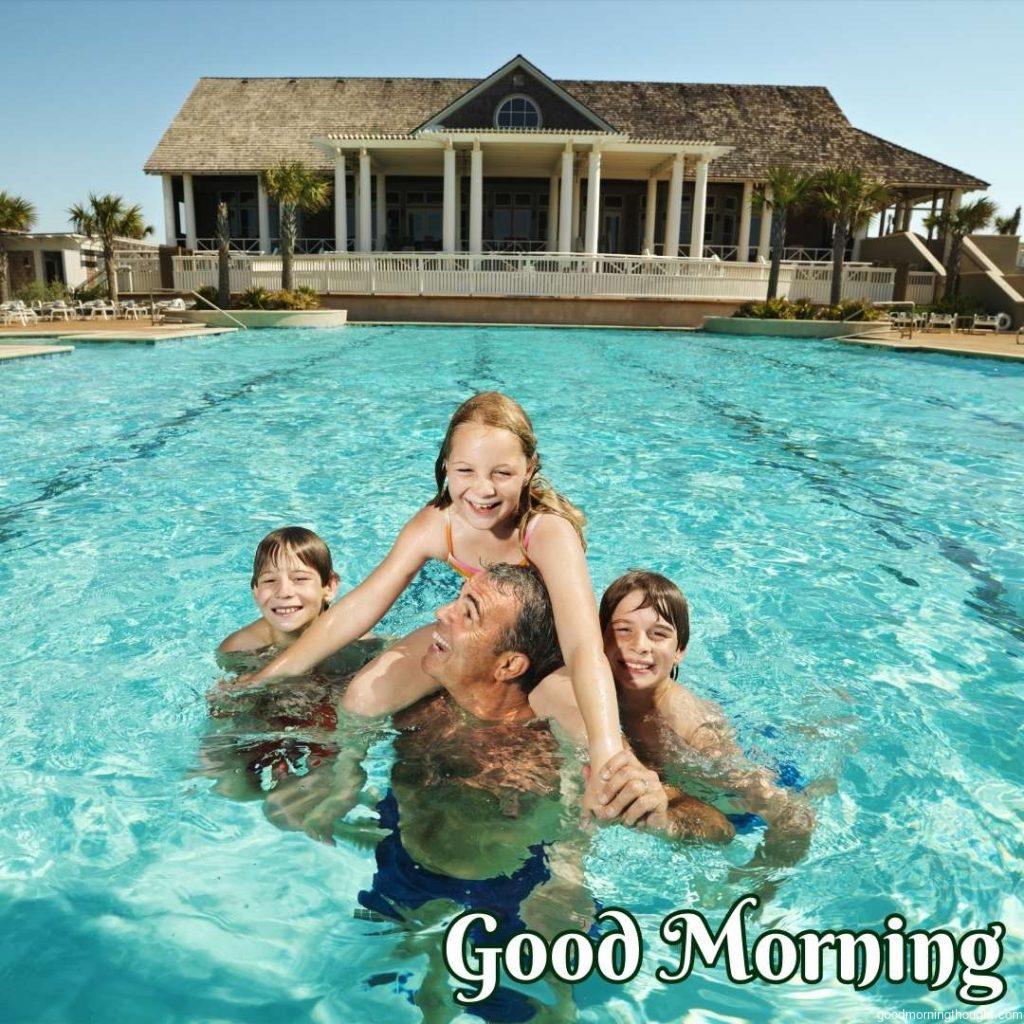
<point x="847" y="524"/>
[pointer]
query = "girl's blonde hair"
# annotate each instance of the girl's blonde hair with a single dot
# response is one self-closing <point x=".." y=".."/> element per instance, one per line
<point x="493" y="409"/>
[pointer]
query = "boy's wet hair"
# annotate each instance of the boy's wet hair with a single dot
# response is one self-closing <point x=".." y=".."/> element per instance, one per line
<point x="659" y="593"/>
<point x="304" y="544"/>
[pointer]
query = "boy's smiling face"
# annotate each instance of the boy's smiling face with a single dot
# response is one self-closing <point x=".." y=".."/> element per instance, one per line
<point x="290" y="596"/>
<point x="642" y="647"/>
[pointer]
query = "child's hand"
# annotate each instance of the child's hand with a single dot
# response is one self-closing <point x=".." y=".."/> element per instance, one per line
<point x="628" y="792"/>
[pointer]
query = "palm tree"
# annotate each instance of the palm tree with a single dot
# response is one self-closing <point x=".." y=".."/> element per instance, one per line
<point x="1009" y="225"/>
<point x="848" y="198"/>
<point x="956" y="225"/>
<point x="296" y="187"/>
<point x="108" y="218"/>
<point x="16" y="214"/>
<point x="223" y="256"/>
<point x="784" y="190"/>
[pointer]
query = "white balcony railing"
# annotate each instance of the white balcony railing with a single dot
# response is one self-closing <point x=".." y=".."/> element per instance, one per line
<point x="813" y="281"/>
<point x="554" y="275"/>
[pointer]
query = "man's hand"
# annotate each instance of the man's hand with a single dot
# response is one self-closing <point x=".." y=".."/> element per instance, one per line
<point x="631" y="794"/>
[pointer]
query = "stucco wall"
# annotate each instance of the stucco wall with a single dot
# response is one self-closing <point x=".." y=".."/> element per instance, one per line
<point x="566" y="312"/>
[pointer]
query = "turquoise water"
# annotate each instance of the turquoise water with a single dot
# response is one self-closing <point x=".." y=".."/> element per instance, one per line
<point x="848" y="526"/>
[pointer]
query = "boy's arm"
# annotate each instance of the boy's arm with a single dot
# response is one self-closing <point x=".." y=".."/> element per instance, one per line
<point x="702" y="725"/>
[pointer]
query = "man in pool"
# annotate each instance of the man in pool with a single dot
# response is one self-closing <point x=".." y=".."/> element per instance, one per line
<point x="475" y="813"/>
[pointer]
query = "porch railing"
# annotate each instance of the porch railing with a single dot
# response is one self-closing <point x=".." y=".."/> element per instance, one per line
<point x="568" y="275"/>
<point x="813" y="281"/>
<point x="137" y="271"/>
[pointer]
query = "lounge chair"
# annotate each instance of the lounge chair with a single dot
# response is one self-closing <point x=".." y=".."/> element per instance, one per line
<point x="938" y="320"/>
<point x="985" y="323"/>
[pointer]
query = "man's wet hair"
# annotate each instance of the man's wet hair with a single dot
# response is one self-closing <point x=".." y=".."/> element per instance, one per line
<point x="533" y="630"/>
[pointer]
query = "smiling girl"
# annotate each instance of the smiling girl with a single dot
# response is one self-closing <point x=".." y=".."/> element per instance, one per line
<point x="491" y="505"/>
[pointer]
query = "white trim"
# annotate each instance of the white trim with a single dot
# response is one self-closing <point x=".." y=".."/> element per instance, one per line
<point x="519" y="61"/>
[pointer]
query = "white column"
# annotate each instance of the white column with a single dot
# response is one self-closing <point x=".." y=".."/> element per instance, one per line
<point x="364" y="231"/>
<point x="476" y="199"/>
<point x="675" y="207"/>
<point x="858" y="236"/>
<point x="593" y="199"/>
<point x="951" y="204"/>
<point x="700" y="205"/>
<point x="552" y="212"/>
<point x="190" y="212"/>
<point x="565" y="200"/>
<point x="448" y="214"/>
<point x="764" y="238"/>
<point x="263" y="213"/>
<point x="577" y="205"/>
<point x="170" y="232"/>
<point x="743" y="242"/>
<point x="650" y="213"/>
<point x="382" y="212"/>
<point x="340" y="205"/>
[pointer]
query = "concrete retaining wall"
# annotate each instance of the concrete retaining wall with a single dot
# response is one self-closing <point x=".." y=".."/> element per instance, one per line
<point x="749" y="326"/>
<point x="262" y="317"/>
<point x="513" y="310"/>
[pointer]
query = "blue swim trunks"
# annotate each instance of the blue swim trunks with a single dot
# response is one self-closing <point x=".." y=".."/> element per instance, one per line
<point x="790" y="777"/>
<point x="400" y="882"/>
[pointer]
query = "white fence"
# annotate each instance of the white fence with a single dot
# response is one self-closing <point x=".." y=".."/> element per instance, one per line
<point x="459" y="274"/>
<point x="138" y="272"/>
<point x="921" y="287"/>
<point x="814" y="282"/>
<point x="543" y="275"/>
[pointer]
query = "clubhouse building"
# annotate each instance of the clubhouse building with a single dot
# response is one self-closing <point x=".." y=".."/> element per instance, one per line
<point x="520" y="163"/>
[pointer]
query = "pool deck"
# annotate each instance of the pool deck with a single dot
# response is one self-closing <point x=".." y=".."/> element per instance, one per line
<point x="119" y="331"/>
<point x="11" y="352"/>
<point x="989" y="346"/>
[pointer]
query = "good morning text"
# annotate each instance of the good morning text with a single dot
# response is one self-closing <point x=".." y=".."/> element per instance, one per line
<point x="857" y="958"/>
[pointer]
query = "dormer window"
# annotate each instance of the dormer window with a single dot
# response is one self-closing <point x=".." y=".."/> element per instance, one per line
<point x="517" y="112"/>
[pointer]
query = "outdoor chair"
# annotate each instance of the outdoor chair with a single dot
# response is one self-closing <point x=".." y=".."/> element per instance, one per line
<point x="939" y="320"/>
<point x="985" y="323"/>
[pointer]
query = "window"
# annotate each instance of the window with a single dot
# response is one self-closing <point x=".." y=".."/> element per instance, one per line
<point x="517" y="112"/>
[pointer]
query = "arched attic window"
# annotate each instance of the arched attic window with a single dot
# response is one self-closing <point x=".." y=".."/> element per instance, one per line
<point x="517" y="111"/>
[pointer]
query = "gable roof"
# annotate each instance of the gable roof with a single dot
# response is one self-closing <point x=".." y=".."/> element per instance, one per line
<point x="242" y="125"/>
<point x="518" y="62"/>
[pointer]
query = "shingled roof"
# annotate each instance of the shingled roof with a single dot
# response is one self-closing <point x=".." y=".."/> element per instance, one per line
<point x="236" y="125"/>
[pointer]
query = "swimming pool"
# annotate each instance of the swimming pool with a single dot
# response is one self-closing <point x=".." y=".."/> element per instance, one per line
<point x="848" y="526"/>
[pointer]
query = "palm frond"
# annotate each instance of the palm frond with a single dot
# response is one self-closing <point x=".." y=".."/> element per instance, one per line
<point x="16" y="213"/>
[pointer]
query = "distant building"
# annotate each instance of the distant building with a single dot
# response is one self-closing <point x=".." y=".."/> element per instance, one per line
<point x="519" y="162"/>
<point x="65" y="258"/>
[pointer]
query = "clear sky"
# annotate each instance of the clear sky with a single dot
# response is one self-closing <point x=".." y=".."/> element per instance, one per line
<point x="87" y="89"/>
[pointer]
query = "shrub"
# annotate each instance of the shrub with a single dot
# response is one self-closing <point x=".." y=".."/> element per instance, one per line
<point x="36" y="291"/>
<point x="961" y="305"/>
<point x="254" y="298"/>
<point x="804" y="309"/>
<point x="208" y="292"/>
<point x="88" y="293"/>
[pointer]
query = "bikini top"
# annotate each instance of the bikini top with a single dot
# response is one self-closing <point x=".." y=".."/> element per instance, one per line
<point x="464" y="568"/>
